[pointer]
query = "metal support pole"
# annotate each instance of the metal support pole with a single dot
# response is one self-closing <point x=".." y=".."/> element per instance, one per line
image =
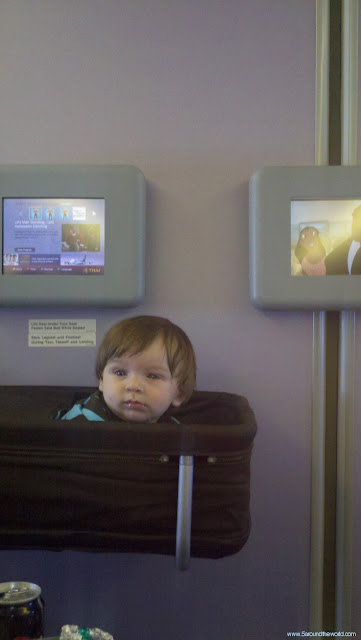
<point x="184" y="512"/>
<point x="319" y="339"/>
<point x="346" y="391"/>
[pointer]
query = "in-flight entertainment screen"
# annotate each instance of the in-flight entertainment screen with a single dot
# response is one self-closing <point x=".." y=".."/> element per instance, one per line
<point x="305" y="237"/>
<point x="325" y="237"/>
<point x="53" y="236"/>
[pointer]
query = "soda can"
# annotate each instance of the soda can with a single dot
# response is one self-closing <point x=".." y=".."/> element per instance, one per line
<point x="21" y="611"/>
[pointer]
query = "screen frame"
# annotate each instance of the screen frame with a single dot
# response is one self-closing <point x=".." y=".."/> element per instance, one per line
<point x="123" y="189"/>
<point x="271" y="191"/>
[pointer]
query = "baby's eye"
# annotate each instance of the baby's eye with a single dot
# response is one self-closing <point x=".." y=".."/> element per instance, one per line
<point x="153" y="376"/>
<point x="120" y="372"/>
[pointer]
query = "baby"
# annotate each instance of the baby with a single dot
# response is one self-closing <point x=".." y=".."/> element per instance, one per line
<point x="144" y="366"/>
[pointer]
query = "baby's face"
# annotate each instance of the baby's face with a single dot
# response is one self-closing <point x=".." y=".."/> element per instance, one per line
<point x="140" y="388"/>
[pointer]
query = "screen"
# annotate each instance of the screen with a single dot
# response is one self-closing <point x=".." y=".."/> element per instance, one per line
<point x="325" y="237"/>
<point x="305" y="221"/>
<point x="53" y="236"/>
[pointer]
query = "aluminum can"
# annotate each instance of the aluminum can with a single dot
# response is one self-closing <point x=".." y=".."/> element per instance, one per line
<point x="21" y="611"/>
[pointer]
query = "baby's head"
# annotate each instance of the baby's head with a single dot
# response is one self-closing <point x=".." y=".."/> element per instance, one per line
<point x="144" y="366"/>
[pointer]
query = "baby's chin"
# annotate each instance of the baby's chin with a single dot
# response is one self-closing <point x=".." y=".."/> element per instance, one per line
<point x="135" y="415"/>
<point x="139" y="419"/>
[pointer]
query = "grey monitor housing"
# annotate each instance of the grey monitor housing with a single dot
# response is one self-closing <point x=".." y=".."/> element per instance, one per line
<point x="287" y="205"/>
<point x="118" y="281"/>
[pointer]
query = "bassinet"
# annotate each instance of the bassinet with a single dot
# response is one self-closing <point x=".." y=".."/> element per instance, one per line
<point x="110" y="486"/>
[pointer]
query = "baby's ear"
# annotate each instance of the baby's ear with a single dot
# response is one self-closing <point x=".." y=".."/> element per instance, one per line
<point x="179" y="398"/>
<point x="100" y="385"/>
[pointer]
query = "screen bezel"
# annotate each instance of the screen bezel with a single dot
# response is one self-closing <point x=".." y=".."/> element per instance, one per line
<point x="123" y="190"/>
<point x="272" y="189"/>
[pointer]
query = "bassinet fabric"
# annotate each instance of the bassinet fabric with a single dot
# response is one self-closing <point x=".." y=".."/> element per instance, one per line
<point x="110" y="486"/>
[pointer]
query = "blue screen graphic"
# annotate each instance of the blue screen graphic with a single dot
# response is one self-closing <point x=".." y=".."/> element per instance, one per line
<point x="53" y="236"/>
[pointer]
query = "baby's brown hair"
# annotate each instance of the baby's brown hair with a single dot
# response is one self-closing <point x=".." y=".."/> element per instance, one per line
<point x="133" y="335"/>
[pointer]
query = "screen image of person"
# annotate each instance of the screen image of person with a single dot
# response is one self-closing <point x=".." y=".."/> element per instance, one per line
<point x="311" y="252"/>
<point x="346" y="258"/>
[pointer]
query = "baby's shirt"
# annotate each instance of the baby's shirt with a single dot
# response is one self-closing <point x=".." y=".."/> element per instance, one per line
<point x="91" y="408"/>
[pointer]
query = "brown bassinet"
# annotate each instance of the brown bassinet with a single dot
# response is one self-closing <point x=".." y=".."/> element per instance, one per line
<point x="111" y="486"/>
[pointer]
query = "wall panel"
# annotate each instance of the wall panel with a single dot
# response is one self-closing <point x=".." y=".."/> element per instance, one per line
<point x="198" y="95"/>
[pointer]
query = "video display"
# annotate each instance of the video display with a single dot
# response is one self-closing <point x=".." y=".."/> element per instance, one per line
<point x="53" y="236"/>
<point x="325" y="237"/>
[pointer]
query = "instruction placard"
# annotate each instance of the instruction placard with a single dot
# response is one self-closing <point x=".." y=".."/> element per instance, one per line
<point x="62" y="333"/>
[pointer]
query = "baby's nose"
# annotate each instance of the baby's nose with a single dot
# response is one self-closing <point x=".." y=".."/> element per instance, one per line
<point x="134" y="383"/>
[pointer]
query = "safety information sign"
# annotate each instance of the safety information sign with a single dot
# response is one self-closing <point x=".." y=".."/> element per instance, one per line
<point x="62" y="333"/>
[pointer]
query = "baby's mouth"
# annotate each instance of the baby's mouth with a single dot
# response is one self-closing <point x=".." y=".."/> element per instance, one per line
<point x="134" y="404"/>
